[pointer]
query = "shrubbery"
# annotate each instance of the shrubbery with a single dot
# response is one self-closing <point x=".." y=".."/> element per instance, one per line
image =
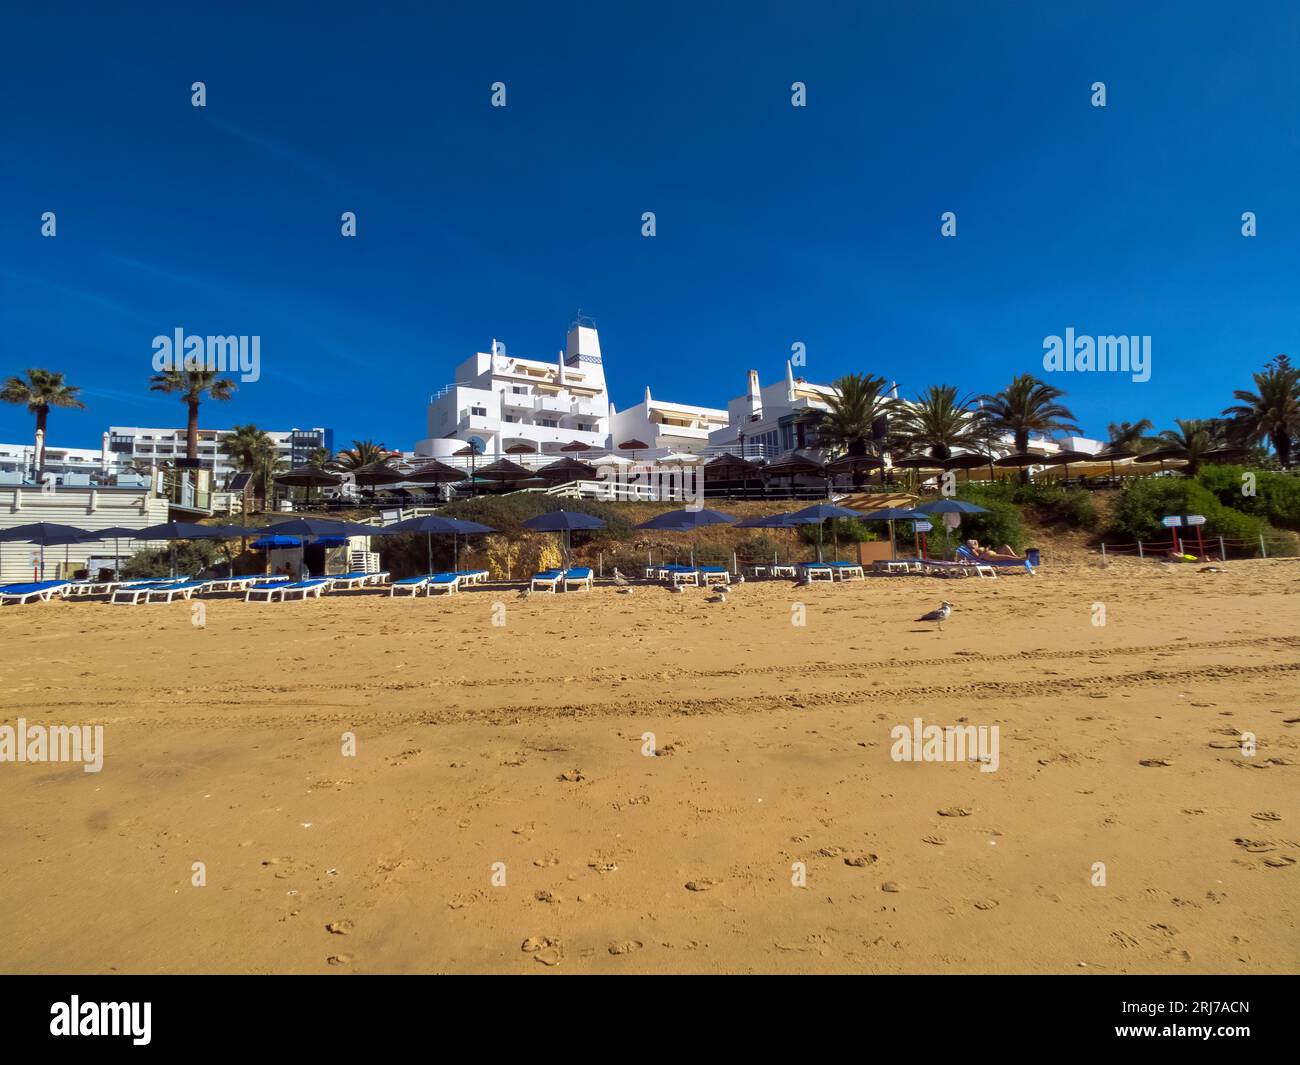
<point x="1144" y="502"/>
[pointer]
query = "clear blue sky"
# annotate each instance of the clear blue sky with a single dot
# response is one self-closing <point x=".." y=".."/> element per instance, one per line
<point x="775" y="224"/>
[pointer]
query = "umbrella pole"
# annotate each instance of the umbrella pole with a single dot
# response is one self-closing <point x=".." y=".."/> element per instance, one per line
<point x="117" y="560"/>
<point x="428" y="552"/>
<point x="893" y="548"/>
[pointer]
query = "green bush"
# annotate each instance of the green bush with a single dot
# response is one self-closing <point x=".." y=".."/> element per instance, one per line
<point x="1276" y="498"/>
<point x="1144" y="502"/>
<point x="192" y="558"/>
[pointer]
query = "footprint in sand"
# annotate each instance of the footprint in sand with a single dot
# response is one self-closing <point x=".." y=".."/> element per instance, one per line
<point x="1152" y="763"/>
<point x="544" y="949"/>
<point x="625" y="947"/>
<point x="1266" y="815"/>
<point x="705" y="884"/>
<point x="986" y="904"/>
<point x="860" y="860"/>
<point x="1279" y="861"/>
<point x="956" y="811"/>
<point x="938" y="841"/>
<point x="1255" y="846"/>
<point x="340" y="928"/>
<point x="339" y="959"/>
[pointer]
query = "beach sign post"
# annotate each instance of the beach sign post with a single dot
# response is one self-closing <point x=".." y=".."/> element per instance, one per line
<point x="1197" y="520"/>
<point x="920" y="528"/>
<point x="1172" y="521"/>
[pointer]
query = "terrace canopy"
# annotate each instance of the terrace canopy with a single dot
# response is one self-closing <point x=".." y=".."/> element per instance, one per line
<point x="434" y="472"/>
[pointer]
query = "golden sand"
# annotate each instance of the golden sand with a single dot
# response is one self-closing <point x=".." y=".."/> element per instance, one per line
<point x="522" y="744"/>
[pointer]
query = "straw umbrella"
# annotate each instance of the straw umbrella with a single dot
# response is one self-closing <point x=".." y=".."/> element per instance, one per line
<point x="794" y="464"/>
<point x="1022" y="460"/>
<point x="854" y="464"/>
<point x="567" y="469"/>
<point x="727" y="467"/>
<point x="1163" y="455"/>
<point x="308" y="477"/>
<point x="1114" y="453"/>
<point x="504" y="471"/>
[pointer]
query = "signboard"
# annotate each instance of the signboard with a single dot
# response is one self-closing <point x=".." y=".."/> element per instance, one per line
<point x="921" y="526"/>
<point x="1171" y="521"/>
<point x="188" y="464"/>
<point x="1195" y="519"/>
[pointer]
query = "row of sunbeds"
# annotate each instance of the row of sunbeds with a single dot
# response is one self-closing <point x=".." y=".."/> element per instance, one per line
<point x="563" y="580"/>
<point x="967" y="564"/>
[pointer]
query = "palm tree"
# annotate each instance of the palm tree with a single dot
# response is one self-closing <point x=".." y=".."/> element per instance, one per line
<point x="1195" y="437"/>
<point x="42" y="390"/>
<point x="253" y="451"/>
<point x="939" y="421"/>
<point x="1273" y="411"/>
<point x="855" y="406"/>
<point x="361" y="453"/>
<point x="192" y="385"/>
<point x="1026" y="406"/>
<point x="319" y="458"/>
<point x="1131" y="436"/>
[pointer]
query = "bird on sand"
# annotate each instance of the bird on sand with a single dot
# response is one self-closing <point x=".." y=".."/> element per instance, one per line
<point x="721" y="597"/>
<point x="677" y="589"/>
<point x="525" y="593"/>
<point x="619" y="579"/>
<point x="940" y="615"/>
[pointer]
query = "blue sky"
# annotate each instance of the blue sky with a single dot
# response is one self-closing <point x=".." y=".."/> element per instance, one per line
<point x="775" y="224"/>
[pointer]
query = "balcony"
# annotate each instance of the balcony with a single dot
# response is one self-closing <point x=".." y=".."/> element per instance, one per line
<point x="518" y="401"/>
<point x="551" y="405"/>
<point x="588" y="408"/>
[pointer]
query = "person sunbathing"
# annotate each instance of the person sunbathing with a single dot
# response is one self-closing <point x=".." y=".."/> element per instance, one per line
<point x="1006" y="553"/>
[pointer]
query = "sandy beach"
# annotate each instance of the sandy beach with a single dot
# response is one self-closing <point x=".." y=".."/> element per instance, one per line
<point x="523" y="743"/>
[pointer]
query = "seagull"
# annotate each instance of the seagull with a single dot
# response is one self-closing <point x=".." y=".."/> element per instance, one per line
<point x="740" y="579"/>
<point x="940" y="615"/>
<point x="721" y="597"/>
<point x="525" y="593"/>
<point x="619" y="579"/>
<point x="677" y="589"/>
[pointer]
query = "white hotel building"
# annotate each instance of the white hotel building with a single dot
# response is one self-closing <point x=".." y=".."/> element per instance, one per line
<point x="499" y="402"/>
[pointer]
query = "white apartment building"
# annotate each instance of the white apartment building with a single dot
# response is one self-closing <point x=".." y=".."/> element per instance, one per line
<point x="499" y="401"/>
<point x="666" y="426"/>
<point x="146" y="446"/>
<point x="768" y="421"/>
<point x="70" y="465"/>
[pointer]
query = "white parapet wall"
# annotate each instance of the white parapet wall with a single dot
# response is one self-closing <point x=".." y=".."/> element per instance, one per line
<point x="86" y="507"/>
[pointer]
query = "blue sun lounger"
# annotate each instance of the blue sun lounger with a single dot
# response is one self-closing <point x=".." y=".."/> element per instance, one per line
<point x="165" y="593"/>
<point x="22" y="594"/>
<point x="580" y="577"/>
<point x="472" y="576"/>
<point x="714" y="575"/>
<point x="547" y="581"/>
<point x="138" y="591"/>
<point x="442" y="582"/>
<point x="411" y="585"/>
<point x="355" y="579"/>
<point x="847" y="571"/>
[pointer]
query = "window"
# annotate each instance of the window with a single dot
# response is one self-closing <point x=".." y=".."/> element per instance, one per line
<point x="550" y="423"/>
<point x="479" y="411"/>
<point x="519" y="390"/>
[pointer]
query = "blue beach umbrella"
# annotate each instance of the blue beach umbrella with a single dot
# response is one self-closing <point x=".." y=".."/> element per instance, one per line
<point x="686" y="520"/>
<point x="891" y="515"/>
<point x="819" y="513"/>
<point x="42" y="533"/>
<point x="434" y="525"/>
<point x="563" y="522"/>
<point x="951" y="506"/>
